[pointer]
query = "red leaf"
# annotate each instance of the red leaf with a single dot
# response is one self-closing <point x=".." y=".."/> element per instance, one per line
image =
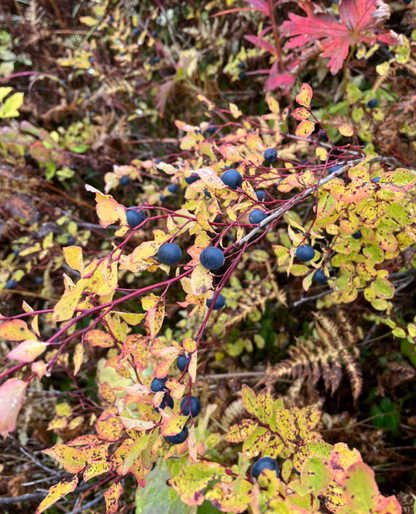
<point x="262" y="43"/>
<point x="358" y="21"/>
<point x="260" y="5"/>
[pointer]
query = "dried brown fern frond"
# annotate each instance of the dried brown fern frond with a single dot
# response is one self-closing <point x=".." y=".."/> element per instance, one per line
<point x="232" y="413"/>
<point x="34" y="14"/>
<point x="323" y="357"/>
<point x="252" y="301"/>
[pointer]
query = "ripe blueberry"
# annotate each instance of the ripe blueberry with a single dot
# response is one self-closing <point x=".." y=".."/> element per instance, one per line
<point x="136" y="32"/>
<point x="191" y="179"/>
<point x="165" y="402"/>
<point x="334" y="169"/>
<point x="163" y="198"/>
<point x="211" y="258"/>
<point x="154" y="60"/>
<point x="207" y="193"/>
<point x="407" y="2"/>
<point x="357" y="235"/>
<point x="261" y="195"/>
<point x="256" y="216"/>
<point x="125" y="181"/>
<point x="376" y="180"/>
<point x="232" y="179"/>
<point x="211" y="129"/>
<point x="71" y="240"/>
<point x="242" y="76"/>
<point x="262" y="464"/>
<point x="169" y="254"/>
<point x="372" y="103"/>
<point x="319" y="277"/>
<point x="11" y="284"/>
<point x="182" y="362"/>
<point x="173" y="188"/>
<point x="39" y="280"/>
<point x="158" y="384"/>
<point x="219" y="302"/>
<point x="270" y="155"/>
<point x="195" y="406"/>
<point x="134" y="218"/>
<point x="178" y="438"/>
<point x="154" y="33"/>
<point x="305" y="253"/>
<point x="242" y="65"/>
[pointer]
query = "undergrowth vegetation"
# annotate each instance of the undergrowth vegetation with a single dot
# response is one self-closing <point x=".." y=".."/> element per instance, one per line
<point x="207" y="257"/>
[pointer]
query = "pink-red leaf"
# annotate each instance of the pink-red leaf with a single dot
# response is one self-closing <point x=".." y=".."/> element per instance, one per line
<point x="359" y="23"/>
<point x="12" y="396"/>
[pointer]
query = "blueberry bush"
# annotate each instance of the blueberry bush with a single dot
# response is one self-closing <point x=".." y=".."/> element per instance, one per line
<point x="207" y="257"/>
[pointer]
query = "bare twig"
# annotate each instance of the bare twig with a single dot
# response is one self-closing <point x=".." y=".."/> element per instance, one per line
<point x="39" y="464"/>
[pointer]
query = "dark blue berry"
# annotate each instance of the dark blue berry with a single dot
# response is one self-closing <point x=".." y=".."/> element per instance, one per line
<point x="191" y="179"/>
<point x="242" y="75"/>
<point x="154" y="60"/>
<point x="163" y="198"/>
<point x="91" y="59"/>
<point x="195" y="406"/>
<point x="111" y="18"/>
<point x="270" y="155"/>
<point x="158" y="384"/>
<point x="125" y="181"/>
<point x="334" y="169"/>
<point x="256" y="216"/>
<point x="262" y="464"/>
<point x="372" y="103"/>
<point x="154" y="33"/>
<point x="178" y="438"/>
<point x="232" y="179"/>
<point x="242" y="65"/>
<point x="16" y="252"/>
<point x="157" y="160"/>
<point x="211" y="258"/>
<point x="211" y="129"/>
<point x="261" y="195"/>
<point x="11" y="284"/>
<point x="376" y="180"/>
<point x="319" y="277"/>
<point x="134" y="218"/>
<point x="182" y="362"/>
<point x="39" y="281"/>
<point x="219" y="302"/>
<point x="137" y="32"/>
<point x="407" y="2"/>
<point x="167" y="401"/>
<point x="169" y="254"/>
<point x="173" y="188"/>
<point x="357" y="235"/>
<point x="71" y="240"/>
<point x="207" y="193"/>
<point x="305" y="253"/>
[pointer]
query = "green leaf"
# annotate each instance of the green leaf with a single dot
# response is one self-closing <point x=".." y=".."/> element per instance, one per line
<point x="4" y="91"/>
<point x="315" y="475"/>
<point x="79" y="148"/>
<point x="12" y="104"/>
<point x="156" y="496"/>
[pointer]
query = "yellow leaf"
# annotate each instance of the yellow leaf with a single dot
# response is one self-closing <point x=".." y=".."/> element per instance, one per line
<point x="305" y="96"/>
<point x="192" y="451"/>
<point x="12" y="104"/>
<point x="111" y="498"/>
<point x="73" y="257"/>
<point x="321" y="153"/>
<point x="27" y="351"/>
<point x="93" y="469"/>
<point x="78" y="357"/>
<point x="99" y="338"/>
<point x="15" y="330"/>
<point x="201" y="280"/>
<point x="58" y="491"/>
<point x="235" y="111"/>
<point x="273" y="104"/>
<point x="88" y="20"/>
<point x="305" y="128"/>
<point x="189" y="345"/>
<point x="173" y="425"/>
<point x="192" y="366"/>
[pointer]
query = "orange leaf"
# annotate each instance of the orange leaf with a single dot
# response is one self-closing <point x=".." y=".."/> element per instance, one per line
<point x="345" y="130"/>
<point x="99" y="338"/>
<point x="301" y="114"/>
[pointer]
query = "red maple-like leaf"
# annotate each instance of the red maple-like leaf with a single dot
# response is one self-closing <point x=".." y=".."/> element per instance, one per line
<point x="360" y="22"/>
